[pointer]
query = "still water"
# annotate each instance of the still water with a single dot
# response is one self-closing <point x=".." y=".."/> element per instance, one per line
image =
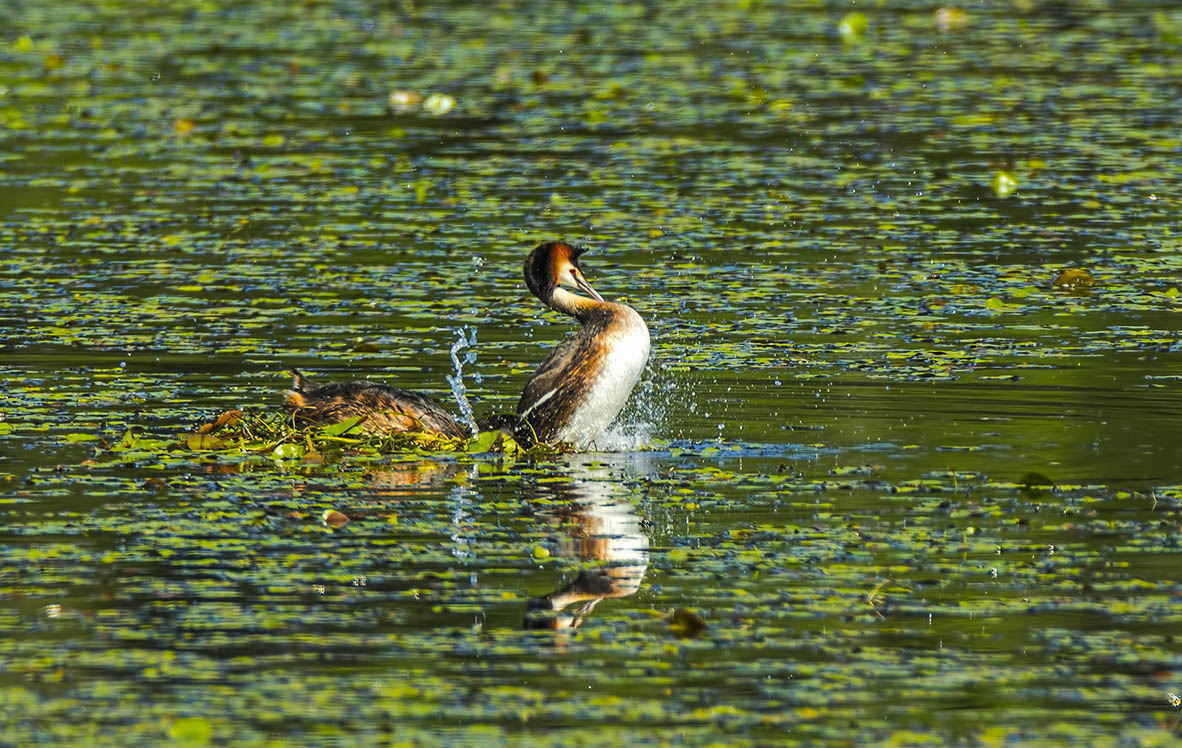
<point x="917" y="492"/>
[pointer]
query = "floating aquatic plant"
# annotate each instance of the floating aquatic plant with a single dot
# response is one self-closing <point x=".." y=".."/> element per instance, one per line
<point x="239" y="433"/>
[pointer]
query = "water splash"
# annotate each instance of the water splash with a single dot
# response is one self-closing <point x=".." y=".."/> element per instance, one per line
<point x="641" y="422"/>
<point x="466" y="340"/>
<point x="461" y="520"/>
<point x="626" y="436"/>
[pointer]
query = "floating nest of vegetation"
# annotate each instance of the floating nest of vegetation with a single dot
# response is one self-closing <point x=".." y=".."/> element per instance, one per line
<point x="237" y="433"/>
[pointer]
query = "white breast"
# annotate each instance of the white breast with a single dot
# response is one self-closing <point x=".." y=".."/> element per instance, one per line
<point x="626" y="353"/>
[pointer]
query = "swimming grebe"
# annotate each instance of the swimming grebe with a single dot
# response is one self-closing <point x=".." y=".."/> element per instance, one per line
<point x="383" y="410"/>
<point x="583" y="384"/>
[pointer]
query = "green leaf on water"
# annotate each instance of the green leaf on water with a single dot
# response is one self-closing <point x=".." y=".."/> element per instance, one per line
<point x="343" y="427"/>
<point x="191" y="731"/>
<point x="421" y="187"/>
<point x="994" y="304"/>
<point x="852" y="27"/>
<point x="203" y="442"/>
<point x="484" y="442"/>
<point x="288" y="451"/>
<point x="439" y="104"/>
<point x="1004" y="183"/>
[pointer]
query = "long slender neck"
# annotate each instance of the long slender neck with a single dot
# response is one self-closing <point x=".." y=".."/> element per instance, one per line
<point x="579" y="307"/>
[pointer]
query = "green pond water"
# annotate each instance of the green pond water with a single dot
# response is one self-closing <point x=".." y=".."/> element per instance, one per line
<point x="918" y="493"/>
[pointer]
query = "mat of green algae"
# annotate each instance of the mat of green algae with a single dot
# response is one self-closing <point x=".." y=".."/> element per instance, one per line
<point x="919" y="494"/>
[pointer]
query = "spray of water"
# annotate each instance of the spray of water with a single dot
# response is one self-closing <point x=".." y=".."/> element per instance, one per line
<point x="466" y="339"/>
<point x="643" y="417"/>
<point x="635" y="430"/>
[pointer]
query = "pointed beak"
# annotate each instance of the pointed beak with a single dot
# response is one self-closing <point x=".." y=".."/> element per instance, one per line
<point x="585" y="287"/>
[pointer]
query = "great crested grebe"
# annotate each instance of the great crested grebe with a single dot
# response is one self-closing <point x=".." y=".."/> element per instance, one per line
<point x="583" y="384"/>
<point x="383" y="410"/>
<point x="573" y="397"/>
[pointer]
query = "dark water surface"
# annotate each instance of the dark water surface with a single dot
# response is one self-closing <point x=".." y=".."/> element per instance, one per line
<point x="918" y="494"/>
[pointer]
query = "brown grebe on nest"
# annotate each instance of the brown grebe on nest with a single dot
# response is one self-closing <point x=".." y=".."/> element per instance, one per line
<point x="382" y="409"/>
<point x="575" y="394"/>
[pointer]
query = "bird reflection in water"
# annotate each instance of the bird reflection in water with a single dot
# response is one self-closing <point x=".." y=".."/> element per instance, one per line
<point x="600" y="531"/>
<point x="603" y="533"/>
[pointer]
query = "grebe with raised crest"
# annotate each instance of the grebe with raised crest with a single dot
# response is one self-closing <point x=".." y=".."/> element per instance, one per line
<point x="583" y="384"/>
<point x="575" y="394"/>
